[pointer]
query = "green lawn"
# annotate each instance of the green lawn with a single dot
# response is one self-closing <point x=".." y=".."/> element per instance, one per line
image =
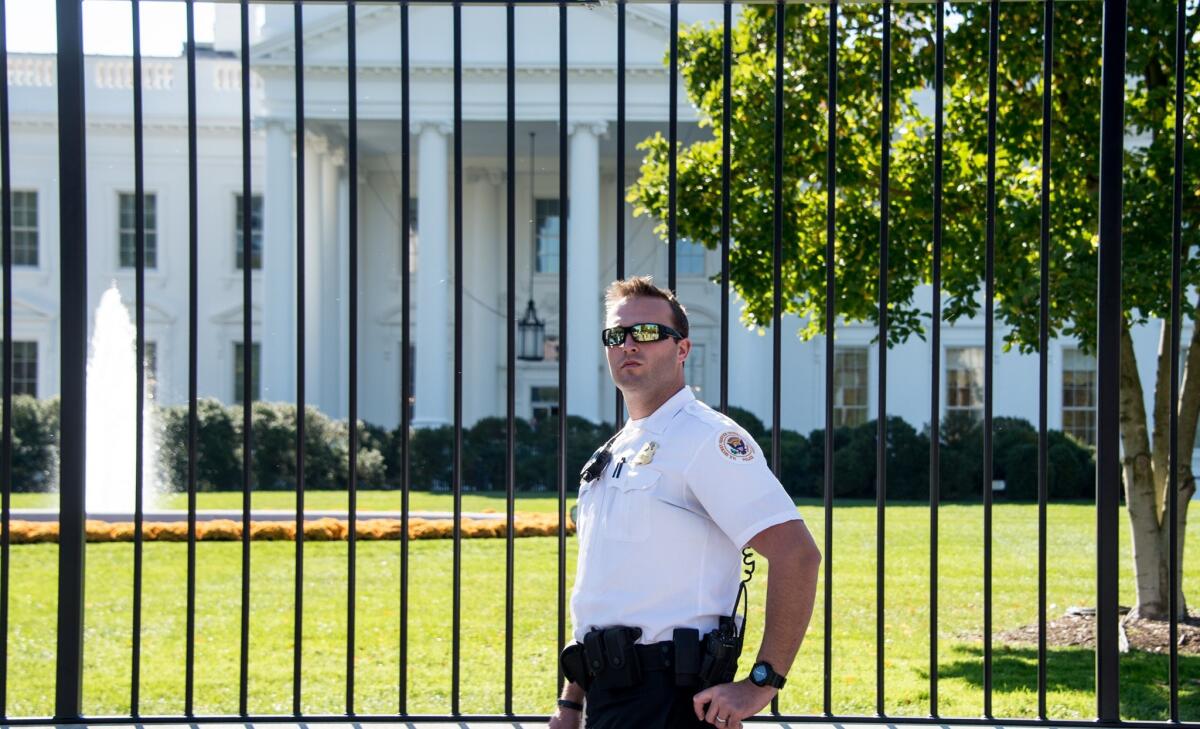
<point x="329" y="500"/>
<point x="109" y="579"/>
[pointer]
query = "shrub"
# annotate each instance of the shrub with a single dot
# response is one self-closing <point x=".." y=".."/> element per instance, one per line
<point x="35" y="444"/>
<point x="218" y="447"/>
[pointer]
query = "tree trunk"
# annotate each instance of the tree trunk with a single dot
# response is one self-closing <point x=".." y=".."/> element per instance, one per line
<point x="1145" y="469"/>
<point x="1140" y="497"/>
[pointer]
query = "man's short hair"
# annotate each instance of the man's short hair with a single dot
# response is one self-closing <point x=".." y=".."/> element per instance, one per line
<point x="644" y="286"/>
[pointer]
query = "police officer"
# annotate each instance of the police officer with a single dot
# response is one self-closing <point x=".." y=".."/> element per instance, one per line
<point x="661" y="528"/>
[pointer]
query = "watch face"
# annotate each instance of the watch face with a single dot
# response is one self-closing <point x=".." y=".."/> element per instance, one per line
<point x="759" y="674"/>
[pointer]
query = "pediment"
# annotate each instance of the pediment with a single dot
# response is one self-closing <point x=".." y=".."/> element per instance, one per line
<point x="592" y="39"/>
<point x="233" y="315"/>
<point x="26" y="310"/>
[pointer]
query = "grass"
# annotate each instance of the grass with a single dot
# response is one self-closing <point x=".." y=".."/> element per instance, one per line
<point x="906" y="652"/>
<point x="330" y="500"/>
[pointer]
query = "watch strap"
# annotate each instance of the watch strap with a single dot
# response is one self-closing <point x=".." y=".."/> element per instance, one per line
<point x="773" y="679"/>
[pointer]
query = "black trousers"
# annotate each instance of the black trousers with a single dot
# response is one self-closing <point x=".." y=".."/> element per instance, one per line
<point x="655" y="703"/>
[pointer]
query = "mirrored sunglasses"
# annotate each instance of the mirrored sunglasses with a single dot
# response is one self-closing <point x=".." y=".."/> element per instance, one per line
<point x="641" y="333"/>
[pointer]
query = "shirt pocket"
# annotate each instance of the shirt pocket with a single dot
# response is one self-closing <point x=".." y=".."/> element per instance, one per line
<point x="628" y="516"/>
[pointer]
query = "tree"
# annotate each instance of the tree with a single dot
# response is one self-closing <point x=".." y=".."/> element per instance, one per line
<point x="1075" y="165"/>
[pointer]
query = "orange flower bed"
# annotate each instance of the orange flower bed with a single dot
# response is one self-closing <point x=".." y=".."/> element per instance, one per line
<point x="317" y="530"/>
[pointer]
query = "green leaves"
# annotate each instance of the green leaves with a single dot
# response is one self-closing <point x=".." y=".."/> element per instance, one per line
<point x="1074" y="163"/>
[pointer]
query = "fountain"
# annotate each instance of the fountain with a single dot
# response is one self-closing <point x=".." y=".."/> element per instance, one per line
<point x="111" y="414"/>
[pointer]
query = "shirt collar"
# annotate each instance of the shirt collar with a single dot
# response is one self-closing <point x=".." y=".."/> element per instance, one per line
<point x="656" y="422"/>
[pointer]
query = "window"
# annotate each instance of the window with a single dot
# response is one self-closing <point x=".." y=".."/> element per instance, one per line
<point x="25" y="227"/>
<point x="689" y="258"/>
<point x="25" y="366"/>
<point x="964" y="380"/>
<point x="256" y="231"/>
<point x="849" y="386"/>
<point x="694" y="370"/>
<point x="127" y="229"/>
<point x="238" y="356"/>
<point x="1079" y="396"/>
<point x="543" y="402"/>
<point x="548" y="220"/>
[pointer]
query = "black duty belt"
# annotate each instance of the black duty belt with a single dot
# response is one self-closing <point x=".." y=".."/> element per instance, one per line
<point x="612" y="658"/>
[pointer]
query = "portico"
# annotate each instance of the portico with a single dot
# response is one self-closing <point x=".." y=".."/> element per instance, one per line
<point x="589" y="229"/>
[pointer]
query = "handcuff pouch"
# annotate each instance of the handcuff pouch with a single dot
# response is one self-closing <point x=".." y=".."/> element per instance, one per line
<point x="622" y="668"/>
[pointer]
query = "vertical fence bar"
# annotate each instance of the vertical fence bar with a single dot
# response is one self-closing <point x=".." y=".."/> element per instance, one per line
<point x="726" y="158"/>
<point x="935" y="371"/>
<point x="1176" y="296"/>
<point x="1044" y="347"/>
<point x="510" y="362"/>
<point x="1108" y="360"/>
<point x="6" y="368"/>
<point x="456" y="647"/>
<point x="193" y="368"/>
<point x="673" y="137"/>
<point x="301" y="343"/>
<point x="405" y="343"/>
<point x="247" y="363"/>
<point x="619" y="408"/>
<point x="881" y="417"/>
<point x="72" y="221"/>
<point x="139" y="273"/>
<point x="352" y="205"/>
<point x="777" y="254"/>
<point x="988" y="349"/>
<point x="830" y="356"/>
<point x="564" y="229"/>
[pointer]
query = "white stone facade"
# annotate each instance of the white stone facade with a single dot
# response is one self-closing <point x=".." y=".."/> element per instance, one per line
<point x="593" y="208"/>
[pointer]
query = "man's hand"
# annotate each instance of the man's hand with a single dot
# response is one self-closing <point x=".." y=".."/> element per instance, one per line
<point x="726" y="705"/>
<point x="566" y="719"/>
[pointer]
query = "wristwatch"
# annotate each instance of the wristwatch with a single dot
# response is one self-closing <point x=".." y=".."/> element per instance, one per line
<point x="764" y="675"/>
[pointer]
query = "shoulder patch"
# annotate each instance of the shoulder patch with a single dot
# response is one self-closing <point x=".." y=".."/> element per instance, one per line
<point x="734" y="447"/>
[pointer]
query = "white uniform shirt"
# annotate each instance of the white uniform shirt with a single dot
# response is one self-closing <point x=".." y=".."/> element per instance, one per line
<point x="660" y="538"/>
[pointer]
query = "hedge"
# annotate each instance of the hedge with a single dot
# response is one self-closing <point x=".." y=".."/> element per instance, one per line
<point x="484" y="465"/>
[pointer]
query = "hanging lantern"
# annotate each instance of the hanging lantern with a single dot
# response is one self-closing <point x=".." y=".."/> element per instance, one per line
<point x="532" y="335"/>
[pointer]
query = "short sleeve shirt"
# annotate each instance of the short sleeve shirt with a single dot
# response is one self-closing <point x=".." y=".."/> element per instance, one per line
<point x="661" y="531"/>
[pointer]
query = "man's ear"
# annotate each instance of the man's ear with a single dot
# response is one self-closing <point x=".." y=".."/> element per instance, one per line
<point x="685" y="348"/>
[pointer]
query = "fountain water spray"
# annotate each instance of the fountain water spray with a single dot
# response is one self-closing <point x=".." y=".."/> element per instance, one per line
<point x="112" y="414"/>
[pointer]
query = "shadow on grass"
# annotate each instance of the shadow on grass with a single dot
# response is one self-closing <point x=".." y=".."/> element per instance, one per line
<point x="1145" y="688"/>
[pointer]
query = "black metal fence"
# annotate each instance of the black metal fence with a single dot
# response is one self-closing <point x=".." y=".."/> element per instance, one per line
<point x="73" y="205"/>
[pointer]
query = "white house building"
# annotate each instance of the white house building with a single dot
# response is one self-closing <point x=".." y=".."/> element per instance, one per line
<point x="594" y="203"/>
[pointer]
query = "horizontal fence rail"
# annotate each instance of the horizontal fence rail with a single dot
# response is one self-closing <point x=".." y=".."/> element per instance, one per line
<point x="361" y="117"/>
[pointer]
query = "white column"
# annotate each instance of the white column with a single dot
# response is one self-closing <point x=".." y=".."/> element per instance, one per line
<point x="343" y="295"/>
<point x="315" y="147"/>
<point x="433" y="335"/>
<point x="584" y="312"/>
<point x="481" y="277"/>
<point x="279" y="270"/>
<point x="332" y="227"/>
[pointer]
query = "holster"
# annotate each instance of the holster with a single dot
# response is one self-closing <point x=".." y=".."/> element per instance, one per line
<point x="574" y="665"/>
